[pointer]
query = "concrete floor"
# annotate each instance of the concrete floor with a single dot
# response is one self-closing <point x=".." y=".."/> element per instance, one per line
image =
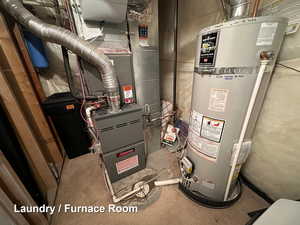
<point x="82" y="183"/>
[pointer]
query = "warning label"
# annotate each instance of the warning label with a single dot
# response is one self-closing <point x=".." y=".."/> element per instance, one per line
<point x="212" y="129"/>
<point x="196" y="122"/>
<point x="207" y="149"/>
<point x="127" y="164"/>
<point x="218" y="99"/>
<point x="266" y="34"/>
<point x="128" y="93"/>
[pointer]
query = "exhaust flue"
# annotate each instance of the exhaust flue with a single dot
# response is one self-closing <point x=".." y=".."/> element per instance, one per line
<point x="238" y="9"/>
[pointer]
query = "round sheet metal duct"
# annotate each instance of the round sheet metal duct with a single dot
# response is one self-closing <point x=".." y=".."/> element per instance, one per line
<point x="239" y="9"/>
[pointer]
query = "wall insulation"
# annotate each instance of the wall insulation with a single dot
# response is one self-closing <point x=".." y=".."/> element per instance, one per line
<point x="193" y="15"/>
<point x="273" y="166"/>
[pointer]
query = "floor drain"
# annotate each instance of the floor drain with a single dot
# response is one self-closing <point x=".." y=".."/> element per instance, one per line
<point x="145" y="190"/>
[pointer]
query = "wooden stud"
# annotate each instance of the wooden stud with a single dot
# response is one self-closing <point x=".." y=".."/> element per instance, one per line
<point x="17" y="192"/>
<point x="31" y="71"/>
<point x="20" y="82"/>
<point x="6" y="210"/>
<point x="42" y="173"/>
<point x="35" y="79"/>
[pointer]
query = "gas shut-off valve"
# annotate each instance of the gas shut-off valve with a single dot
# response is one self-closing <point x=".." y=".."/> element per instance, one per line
<point x="186" y="167"/>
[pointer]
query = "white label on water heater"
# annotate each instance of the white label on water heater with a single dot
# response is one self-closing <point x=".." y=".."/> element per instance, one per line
<point x="196" y="122"/>
<point x="217" y="99"/>
<point x="266" y="34"/>
<point x="205" y="148"/>
<point x="212" y="129"/>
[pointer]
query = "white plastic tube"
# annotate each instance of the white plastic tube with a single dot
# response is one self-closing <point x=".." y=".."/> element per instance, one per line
<point x="167" y="182"/>
<point x="91" y="127"/>
<point x="88" y="112"/>
<point x="245" y="124"/>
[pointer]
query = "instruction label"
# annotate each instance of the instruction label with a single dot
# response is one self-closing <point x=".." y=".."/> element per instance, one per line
<point x="205" y="148"/>
<point x="218" y="99"/>
<point x="196" y="122"/>
<point x="266" y="34"/>
<point x="212" y="129"/>
<point x="127" y="164"/>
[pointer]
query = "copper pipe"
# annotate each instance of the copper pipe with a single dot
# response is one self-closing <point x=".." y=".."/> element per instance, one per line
<point x="255" y="8"/>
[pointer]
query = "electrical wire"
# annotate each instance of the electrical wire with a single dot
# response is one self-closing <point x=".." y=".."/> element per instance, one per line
<point x="288" y="67"/>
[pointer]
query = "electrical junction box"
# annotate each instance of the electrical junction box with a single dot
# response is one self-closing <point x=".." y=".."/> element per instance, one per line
<point x="122" y="140"/>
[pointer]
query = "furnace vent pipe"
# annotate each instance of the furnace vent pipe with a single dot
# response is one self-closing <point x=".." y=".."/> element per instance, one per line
<point x="238" y="9"/>
<point x="72" y="42"/>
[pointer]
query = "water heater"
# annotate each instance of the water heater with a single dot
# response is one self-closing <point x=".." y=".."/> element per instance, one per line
<point x="228" y="64"/>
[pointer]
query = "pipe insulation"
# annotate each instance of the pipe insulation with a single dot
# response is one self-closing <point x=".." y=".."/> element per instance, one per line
<point x="71" y="41"/>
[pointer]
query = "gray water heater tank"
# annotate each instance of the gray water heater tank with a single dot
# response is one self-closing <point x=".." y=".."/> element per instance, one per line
<point x="226" y="68"/>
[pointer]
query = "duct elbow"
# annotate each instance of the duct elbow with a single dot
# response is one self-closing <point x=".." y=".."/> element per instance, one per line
<point x="70" y="41"/>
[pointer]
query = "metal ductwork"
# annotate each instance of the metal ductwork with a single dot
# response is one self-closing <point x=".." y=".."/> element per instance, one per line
<point x="72" y="42"/>
<point x="238" y="9"/>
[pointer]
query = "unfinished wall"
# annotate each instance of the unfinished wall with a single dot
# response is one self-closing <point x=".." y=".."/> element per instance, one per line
<point x="274" y="164"/>
<point x="54" y="78"/>
<point x="193" y="15"/>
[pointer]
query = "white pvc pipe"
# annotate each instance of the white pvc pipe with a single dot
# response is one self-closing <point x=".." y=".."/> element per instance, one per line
<point x="245" y="124"/>
<point x="136" y="190"/>
<point x="88" y="112"/>
<point x="157" y="183"/>
<point x="106" y="177"/>
<point x="91" y="126"/>
<point x="167" y="182"/>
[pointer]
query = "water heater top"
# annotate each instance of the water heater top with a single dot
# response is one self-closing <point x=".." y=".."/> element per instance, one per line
<point x="243" y="22"/>
<point x="237" y="44"/>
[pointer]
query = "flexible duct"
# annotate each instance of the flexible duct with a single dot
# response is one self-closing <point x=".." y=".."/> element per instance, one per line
<point x="72" y="42"/>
